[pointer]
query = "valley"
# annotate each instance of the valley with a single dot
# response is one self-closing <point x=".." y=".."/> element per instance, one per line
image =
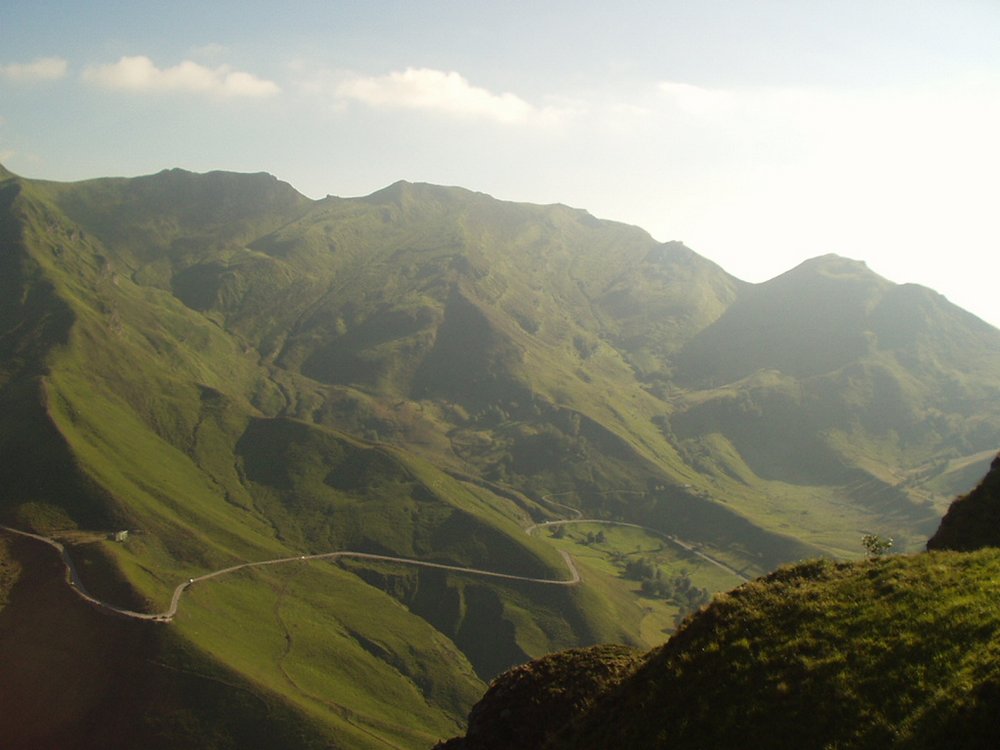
<point x="328" y="424"/>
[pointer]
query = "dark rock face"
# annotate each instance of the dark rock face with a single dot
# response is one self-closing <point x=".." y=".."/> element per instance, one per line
<point x="972" y="521"/>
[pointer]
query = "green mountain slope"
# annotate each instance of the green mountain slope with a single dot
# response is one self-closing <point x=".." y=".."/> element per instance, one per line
<point x="128" y="409"/>
<point x="830" y="373"/>
<point x="234" y="372"/>
<point x="897" y="652"/>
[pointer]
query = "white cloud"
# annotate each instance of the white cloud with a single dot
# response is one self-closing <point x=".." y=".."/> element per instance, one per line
<point x="42" y="69"/>
<point x="437" y="91"/>
<point x="140" y="74"/>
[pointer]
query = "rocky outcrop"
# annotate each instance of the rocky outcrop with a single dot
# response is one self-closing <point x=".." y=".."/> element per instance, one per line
<point x="973" y="520"/>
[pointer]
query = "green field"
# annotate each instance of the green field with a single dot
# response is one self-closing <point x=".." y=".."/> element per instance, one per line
<point x="602" y="552"/>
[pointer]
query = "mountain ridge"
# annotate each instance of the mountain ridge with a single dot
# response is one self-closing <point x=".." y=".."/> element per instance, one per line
<point x="236" y="372"/>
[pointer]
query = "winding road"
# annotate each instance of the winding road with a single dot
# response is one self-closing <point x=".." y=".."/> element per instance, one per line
<point x="73" y="577"/>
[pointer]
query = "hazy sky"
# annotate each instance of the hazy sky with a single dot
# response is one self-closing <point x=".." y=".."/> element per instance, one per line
<point x="759" y="132"/>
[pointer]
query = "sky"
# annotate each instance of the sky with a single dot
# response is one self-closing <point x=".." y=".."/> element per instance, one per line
<point x="760" y="133"/>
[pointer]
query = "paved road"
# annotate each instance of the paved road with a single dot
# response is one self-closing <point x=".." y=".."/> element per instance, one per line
<point x="669" y="537"/>
<point x="576" y="512"/>
<point x="73" y="577"/>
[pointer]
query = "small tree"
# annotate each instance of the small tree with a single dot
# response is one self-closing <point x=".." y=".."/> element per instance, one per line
<point x="876" y="545"/>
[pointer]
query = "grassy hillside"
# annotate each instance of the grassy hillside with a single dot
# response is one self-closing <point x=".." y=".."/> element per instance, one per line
<point x="893" y="652"/>
<point x="135" y="410"/>
<point x="234" y="372"/>
<point x="897" y="651"/>
<point x="913" y="666"/>
<point x="75" y="678"/>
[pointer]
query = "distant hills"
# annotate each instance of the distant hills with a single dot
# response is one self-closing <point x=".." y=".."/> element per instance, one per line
<point x="235" y="372"/>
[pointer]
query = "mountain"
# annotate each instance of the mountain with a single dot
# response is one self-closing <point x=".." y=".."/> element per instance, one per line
<point x="895" y="651"/>
<point x="235" y="373"/>
<point x="831" y="373"/>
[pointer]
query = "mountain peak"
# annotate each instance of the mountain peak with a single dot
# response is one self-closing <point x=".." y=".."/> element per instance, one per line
<point x="831" y="266"/>
<point x="403" y="190"/>
<point x="218" y="177"/>
<point x="828" y="259"/>
<point x="210" y="193"/>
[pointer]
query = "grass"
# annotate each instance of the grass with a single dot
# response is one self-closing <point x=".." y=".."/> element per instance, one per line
<point x="546" y="692"/>
<point x="306" y="646"/>
<point x="898" y="651"/>
<point x="651" y="618"/>
<point x="121" y="682"/>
